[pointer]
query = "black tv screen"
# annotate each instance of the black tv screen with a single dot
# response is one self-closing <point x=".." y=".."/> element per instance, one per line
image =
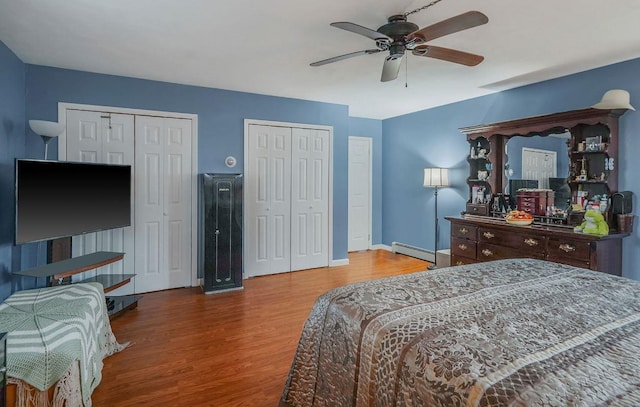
<point x="59" y="199"/>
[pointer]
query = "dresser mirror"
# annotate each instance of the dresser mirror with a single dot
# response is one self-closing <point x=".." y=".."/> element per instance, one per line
<point x="538" y="162"/>
<point x="585" y="143"/>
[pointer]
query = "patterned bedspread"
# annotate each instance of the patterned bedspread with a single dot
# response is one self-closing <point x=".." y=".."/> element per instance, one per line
<point x="52" y="328"/>
<point x="518" y="332"/>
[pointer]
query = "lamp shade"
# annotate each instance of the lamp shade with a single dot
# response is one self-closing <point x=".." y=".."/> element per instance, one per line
<point x="436" y="177"/>
<point x="45" y="128"/>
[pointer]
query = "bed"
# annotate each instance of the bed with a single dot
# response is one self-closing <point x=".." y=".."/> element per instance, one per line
<point x="515" y="332"/>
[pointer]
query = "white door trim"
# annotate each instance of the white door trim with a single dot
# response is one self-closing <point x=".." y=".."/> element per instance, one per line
<point x="62" y="155"/>
<point x="247" y="123"/>
<point x="369" y="140"/>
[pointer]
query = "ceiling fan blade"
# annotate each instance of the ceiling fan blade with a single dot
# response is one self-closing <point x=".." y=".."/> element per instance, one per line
<point x="448" y="54"/>
<point x="390" y="68"/>
<point x="345" y="56"/>
<point x="358" y="29"/>
<point x="449" y="26"/>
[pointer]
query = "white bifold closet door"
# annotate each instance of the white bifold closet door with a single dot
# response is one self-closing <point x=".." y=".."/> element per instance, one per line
<point x="163" y="193"/>
<point x="157" y="246"/>
<point x="105" y="138"/>
<point x="287" y="188"/>
<point x="309" y="198"/>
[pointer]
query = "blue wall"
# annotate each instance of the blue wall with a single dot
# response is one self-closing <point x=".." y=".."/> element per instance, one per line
<point x="12" y="145"/>
<point x="372" y="128"/>
<point x="220" y="113"/>
<point x="431" y="138"/>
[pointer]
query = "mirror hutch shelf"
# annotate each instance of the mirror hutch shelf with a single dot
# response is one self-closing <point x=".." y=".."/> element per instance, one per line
<point x="482" y="235"/>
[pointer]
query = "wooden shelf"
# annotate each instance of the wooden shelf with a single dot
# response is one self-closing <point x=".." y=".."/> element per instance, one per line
<point x="110" y="281"/>
<point x="590" y="152"/>
<point x="591" y="181"/>
<point x="75" y="265"/>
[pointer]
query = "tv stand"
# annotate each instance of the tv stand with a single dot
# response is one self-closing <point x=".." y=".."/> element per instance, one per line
<point x="54" y="272"/>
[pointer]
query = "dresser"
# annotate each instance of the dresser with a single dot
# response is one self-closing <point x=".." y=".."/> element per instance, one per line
<point x="477" y="239"/>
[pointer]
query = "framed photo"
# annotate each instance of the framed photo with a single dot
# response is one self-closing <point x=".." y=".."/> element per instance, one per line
<point x="593" y="143"/>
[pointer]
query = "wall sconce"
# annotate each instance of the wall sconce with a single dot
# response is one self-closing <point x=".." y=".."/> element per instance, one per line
<point x="47" y="130"/>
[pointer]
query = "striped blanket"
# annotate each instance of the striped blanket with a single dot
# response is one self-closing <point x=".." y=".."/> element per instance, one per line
<point x="518" y="332"/>
<point x="52" y="328"/>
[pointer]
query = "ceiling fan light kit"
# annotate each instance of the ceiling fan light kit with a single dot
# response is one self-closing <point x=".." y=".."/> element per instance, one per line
<point x="399" y="35"/>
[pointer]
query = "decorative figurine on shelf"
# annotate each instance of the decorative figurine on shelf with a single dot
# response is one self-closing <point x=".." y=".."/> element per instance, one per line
<point x="482" y="153"/>
<point x="583" y="170"/>
<point x="482" y="175"/>
<point x="593" y="224"/>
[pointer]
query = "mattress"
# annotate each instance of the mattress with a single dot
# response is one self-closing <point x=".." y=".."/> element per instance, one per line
<point x="509" y="332"/>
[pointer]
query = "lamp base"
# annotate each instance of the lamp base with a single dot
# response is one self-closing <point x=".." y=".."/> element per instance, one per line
<point x="46" y="140"/>
<point x="432" y="267"/>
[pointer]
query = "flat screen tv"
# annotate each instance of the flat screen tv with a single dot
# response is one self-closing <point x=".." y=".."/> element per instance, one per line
<point x="59" y="198"/>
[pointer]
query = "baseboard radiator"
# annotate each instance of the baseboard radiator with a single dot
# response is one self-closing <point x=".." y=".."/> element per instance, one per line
<point x="413" y="251"/>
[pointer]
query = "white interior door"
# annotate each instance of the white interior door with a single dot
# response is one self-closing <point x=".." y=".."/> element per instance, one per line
<point x="309" y="198"/>
<point x="268" y="201"/>
<point x="539" y="165"/>
<point x="359" y="193"/>
<point x="98" y="137"/>
<point x="163" y="193"/>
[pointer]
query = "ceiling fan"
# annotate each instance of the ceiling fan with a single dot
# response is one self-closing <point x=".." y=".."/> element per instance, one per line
<point x="399" y="35"/>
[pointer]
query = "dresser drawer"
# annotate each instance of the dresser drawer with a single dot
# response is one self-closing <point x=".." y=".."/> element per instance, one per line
<point x="459" y="261"/>
<point x="463" y="248"/>
<point x="488" y="252"/>
<point x="533" y="243"/>
<point x="561" y="248"/>
<point x="478" y="209"/>
<point x="463" y="231"/>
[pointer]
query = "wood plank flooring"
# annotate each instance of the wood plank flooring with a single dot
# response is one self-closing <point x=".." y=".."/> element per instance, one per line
<point x="227" y="349"/>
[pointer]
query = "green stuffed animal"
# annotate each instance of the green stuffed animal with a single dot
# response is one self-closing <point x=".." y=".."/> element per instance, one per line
<point x="594" y="224"/>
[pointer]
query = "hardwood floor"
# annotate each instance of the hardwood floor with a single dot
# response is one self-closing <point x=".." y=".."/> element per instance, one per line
<point x="227" y="349"/>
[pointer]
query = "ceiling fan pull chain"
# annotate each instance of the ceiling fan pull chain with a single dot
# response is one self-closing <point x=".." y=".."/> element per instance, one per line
<point x="422" y="8"/>
<point x="406" y="72"/>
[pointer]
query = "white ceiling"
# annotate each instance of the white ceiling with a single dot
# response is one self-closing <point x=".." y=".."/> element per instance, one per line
<point x="265" y="47"/>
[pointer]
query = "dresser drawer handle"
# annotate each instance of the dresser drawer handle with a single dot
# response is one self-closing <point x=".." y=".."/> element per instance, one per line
<point x="462" y="246"/>
<point x="459" y="263"/>
<point x="489" y="235"/>
<point x="487" y="252"/>
<point x="567" y="248"/>
<point x="531" y="242"/>
<point x="464" y="231"/>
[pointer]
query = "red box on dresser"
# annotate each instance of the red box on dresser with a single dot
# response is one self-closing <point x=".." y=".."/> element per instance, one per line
<point x="535" y="201"/>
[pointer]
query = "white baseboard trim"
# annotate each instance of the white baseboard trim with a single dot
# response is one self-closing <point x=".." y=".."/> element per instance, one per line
<point x="222" y="291"/>
<point x="339" y="262"/>
<point x="381" y="247"/>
